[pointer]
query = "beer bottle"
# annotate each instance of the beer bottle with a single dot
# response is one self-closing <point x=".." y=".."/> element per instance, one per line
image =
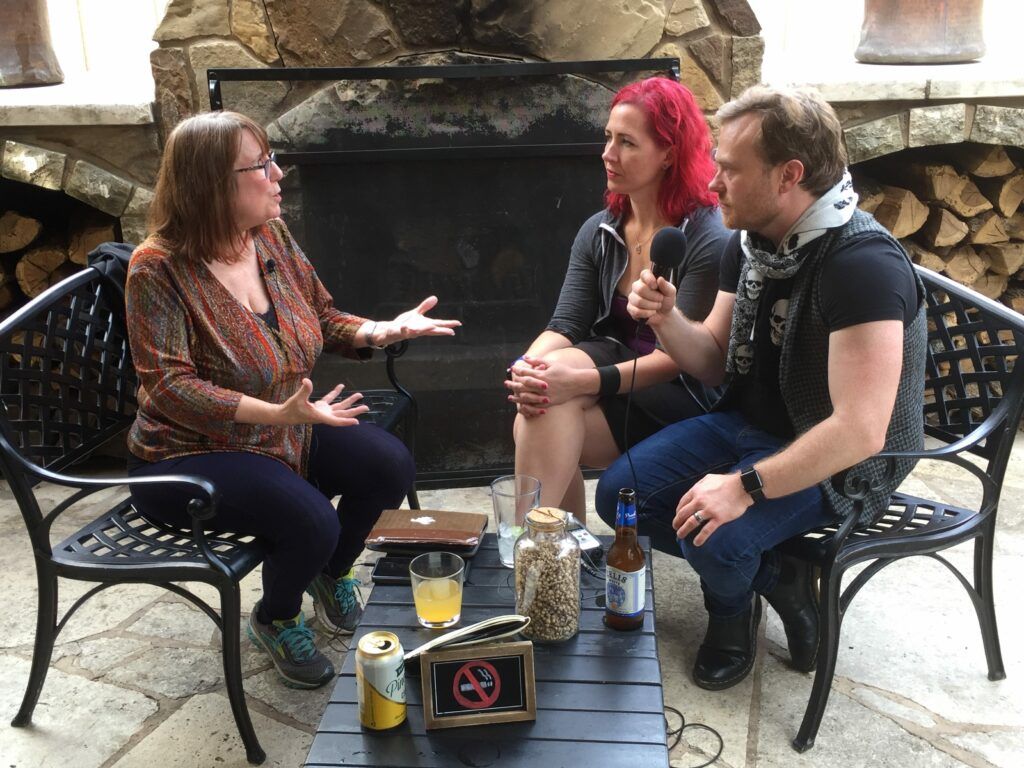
<point x="626" y="580"/>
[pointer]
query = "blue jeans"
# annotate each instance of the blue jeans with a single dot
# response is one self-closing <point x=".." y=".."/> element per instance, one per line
<point x="737" y="559"/>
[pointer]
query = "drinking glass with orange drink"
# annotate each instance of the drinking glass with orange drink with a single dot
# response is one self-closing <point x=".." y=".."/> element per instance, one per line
<point x="437" y="588"/>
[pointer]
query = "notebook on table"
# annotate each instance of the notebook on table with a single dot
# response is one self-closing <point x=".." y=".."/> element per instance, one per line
<point x="424" y="530"/>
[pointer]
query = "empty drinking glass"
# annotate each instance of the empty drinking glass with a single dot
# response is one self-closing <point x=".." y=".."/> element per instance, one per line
<point x="513" y="496"/>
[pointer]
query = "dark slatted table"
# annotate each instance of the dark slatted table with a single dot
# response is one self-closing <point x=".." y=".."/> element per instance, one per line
<point x="599" y="697"/>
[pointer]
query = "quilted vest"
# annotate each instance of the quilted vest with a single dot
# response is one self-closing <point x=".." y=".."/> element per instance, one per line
<point x="803" y="370"/>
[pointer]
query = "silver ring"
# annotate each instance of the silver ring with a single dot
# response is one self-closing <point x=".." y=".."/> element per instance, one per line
<point x="699" y="517"/>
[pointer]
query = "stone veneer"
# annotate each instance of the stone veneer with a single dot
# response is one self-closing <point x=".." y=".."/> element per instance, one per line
<point x="922" y="126"/>
<point x="717" y="41"/>
<point x="105" y="191"/>
<point x="113" y="166"/>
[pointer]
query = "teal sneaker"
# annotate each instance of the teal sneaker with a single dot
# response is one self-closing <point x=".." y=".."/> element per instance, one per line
<point x="291" y="648"/>
<point x="336" y="603"/>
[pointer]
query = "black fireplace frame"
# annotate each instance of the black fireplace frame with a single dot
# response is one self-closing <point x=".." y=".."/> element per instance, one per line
<point x="464" y="477"/>
<point x="215" y="77"/>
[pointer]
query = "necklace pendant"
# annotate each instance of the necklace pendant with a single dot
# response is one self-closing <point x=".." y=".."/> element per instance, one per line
<point x="639" y="247"/>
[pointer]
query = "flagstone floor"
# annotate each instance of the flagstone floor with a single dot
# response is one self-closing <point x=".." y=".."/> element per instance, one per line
<point x="136" y="678"/>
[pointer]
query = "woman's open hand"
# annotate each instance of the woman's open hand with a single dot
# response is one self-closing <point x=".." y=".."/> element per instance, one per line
<point x="299" y="409"/>
<point x="412" y="324"/>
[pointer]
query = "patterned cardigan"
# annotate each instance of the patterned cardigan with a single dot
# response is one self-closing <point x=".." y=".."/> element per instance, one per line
<point x="197" y="350"/>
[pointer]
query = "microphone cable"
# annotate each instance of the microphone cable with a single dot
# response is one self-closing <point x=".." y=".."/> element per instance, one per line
<point x="629" y="404"/>
<point x="641" y="500"/>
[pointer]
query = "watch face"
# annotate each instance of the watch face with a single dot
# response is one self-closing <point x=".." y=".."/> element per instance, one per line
<point x="752" y="483"/>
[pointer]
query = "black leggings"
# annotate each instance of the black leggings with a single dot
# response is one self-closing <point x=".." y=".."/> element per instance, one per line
<point x="370" y="468"/>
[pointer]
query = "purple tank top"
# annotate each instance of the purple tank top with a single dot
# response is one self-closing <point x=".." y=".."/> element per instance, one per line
<point x="625" y="328"/>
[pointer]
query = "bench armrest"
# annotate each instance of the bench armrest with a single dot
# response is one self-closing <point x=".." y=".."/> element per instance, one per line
<point x="200" y="508"/>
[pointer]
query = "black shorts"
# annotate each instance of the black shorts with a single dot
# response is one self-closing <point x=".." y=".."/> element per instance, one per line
<point x="651" y="408"/>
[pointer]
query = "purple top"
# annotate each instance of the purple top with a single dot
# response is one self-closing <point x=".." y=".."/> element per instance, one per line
<point x="625" y="327"/>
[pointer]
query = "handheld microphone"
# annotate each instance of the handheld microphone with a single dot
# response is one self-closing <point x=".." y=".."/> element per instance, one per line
<point x="272" y="265"/>
<point x="667" y="251"/>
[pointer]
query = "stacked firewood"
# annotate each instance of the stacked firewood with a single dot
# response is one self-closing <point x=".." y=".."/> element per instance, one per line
<point x="33" y="256"/>
<point x="958" y="213"/>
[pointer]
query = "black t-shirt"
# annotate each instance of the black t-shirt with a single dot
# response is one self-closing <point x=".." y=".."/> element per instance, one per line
<point x="864" y="281"/>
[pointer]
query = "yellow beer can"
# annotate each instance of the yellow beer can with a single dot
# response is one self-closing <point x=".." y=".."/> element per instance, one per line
<point x="380" y="680"/>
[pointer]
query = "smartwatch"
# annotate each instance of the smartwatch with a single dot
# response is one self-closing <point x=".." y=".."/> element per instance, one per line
<point x="752" y="484"/>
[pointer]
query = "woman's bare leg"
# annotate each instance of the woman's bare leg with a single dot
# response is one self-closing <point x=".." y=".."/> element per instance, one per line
<point x="575" y="499"/>
<point x="551" y="446"/>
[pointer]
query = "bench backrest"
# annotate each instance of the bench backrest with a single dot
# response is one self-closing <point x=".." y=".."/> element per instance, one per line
<point x="971" y="373"/>
<point x="67" y="384"/>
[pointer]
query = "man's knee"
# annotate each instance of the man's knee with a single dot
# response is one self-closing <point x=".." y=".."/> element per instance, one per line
<point x="722" y="552"/>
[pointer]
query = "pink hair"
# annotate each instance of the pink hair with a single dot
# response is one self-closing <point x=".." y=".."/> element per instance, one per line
<point x="674" y="120"/>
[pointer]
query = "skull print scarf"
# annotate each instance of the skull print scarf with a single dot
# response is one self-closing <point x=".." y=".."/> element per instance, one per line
<point x="760" y="263"/>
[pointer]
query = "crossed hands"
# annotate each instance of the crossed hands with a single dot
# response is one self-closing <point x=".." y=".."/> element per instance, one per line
<point x="534" y="383"/>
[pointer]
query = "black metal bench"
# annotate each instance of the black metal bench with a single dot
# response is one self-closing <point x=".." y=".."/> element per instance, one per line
<point x="974" y="395"/>
<point x="67" y="387"/>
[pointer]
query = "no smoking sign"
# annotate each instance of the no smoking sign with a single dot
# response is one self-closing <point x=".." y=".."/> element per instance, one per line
<point x="477" y="684"/>
<point x="487" y="683"/>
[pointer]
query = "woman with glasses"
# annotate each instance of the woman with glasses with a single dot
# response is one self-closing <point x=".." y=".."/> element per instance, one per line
<point x="226" y="318"/>
<point x="570" y="386"/>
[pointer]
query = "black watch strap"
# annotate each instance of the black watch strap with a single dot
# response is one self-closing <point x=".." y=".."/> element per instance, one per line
<point x="752" y="484"/>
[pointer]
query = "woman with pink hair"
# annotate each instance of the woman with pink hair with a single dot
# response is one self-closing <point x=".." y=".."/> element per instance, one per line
<point x="570" y="386"/>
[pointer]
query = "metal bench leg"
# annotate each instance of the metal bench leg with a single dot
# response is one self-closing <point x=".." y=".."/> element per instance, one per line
<point x="46" y="634"/>
<point x="230" y="607"/>
<point x="409" y="433"/>
<point x="414" y="502"/>
<point x="985" y="605"/>
<point x="828" y="650"/>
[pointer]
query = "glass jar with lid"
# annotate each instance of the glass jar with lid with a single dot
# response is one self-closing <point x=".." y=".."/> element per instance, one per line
<point x="547" y="564"/>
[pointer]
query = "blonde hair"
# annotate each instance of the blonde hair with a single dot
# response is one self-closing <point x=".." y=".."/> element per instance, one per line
<point x="796" y="124"/>
<point x="193" y="205"/>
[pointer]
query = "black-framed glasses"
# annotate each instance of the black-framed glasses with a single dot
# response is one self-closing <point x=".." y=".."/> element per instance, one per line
<point x="264" y="166"/>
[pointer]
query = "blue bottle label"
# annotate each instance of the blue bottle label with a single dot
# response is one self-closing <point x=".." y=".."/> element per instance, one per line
<point x="624" y="591"/>
<point x="625" y="514"/>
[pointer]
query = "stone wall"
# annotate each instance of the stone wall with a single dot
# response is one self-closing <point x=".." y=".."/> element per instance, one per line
<point x="59" y="169"/>
<point x="874" y="129"/>
<point x="717" y="41"/>
<point x="113" y="167"/>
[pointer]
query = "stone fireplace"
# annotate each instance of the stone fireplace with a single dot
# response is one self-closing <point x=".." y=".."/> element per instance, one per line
<point x="384" y="234"/>
<point x="105" y="158"/>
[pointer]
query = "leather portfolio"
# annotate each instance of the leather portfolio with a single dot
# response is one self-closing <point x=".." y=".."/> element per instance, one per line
<point x="427" y="529"/>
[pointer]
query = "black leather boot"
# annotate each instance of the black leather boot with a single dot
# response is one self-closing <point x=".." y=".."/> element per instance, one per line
<point x="795" y="599"/>
<point x="727" y="653"/>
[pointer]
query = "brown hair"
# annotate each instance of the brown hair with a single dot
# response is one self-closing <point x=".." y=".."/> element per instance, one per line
<point x="193" y="204"/>
<point x="796" y="124"/>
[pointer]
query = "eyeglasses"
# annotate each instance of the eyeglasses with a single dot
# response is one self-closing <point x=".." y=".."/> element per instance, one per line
<point x="264" y="166"/>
